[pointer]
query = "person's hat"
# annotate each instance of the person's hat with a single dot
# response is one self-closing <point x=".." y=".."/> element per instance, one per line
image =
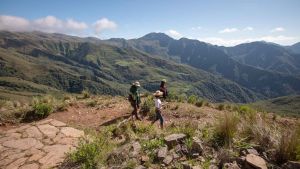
<point x="164" y="80"/>
<point x="158" y="93"/>
<point x="136" y="84"/>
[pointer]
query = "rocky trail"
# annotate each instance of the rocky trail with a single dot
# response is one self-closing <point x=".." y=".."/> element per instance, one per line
<point x="42" y="144"/>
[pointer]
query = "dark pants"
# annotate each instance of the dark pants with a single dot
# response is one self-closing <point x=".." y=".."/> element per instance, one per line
<point x="135" y="107"/>
<point x="159" y="117"/>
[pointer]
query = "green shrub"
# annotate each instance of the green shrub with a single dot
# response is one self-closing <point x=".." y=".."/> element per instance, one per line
<point x="152" y="144"/>
<point x="189" y="129"/>
<point x="130" y="164"/>
<point x="61" y="107"/>
<point x="244" y="109"/>
<point x="85" y="94"/>
<point x="189" y="143"/>
<point x="91" y="103"/>
<point x="143" y="128"/>
<point x="148" y="107"/>
<point x="221" y="106"/>
<point x="42" y="110"/>
<point x="147" y="104"/>
<point x="91" y="154"/>
<point x="192" y="99"/>
<point x="200" y="103"/>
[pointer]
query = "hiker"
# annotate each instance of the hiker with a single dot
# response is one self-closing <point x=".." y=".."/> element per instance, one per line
<point x="163" y="88"/>
<point x="135" y="99"/>
<point x="158" y="108"/>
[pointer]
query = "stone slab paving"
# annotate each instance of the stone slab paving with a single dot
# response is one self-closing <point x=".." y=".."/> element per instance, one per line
<point x="38" y="145"/>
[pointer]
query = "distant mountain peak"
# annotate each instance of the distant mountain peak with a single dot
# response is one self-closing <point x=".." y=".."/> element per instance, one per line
<point x="156" y="36"/>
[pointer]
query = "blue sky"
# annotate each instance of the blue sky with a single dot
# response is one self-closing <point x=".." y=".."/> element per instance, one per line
<point x="222" y="22"/>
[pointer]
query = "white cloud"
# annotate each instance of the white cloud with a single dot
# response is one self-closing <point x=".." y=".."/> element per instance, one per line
<point x="228" y="30"/>
<point x="104" y="24"/>
<point x="49" y="24"/>
<point x="249" y="28"/>
<point x="174" y="34"/>
<point x="196" y="28"/>
<point x="13" y="23"/>
<point x="281" y="39"/>
<point x="278" y="29"/>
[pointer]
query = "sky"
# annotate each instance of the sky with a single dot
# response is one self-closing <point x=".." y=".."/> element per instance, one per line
<point x="219" y="22"/>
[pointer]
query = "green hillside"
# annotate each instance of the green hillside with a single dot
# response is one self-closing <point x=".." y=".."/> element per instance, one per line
<point x="213" y="59"/>
<point x="282" y="105"/>
<point x="75" y="64"/>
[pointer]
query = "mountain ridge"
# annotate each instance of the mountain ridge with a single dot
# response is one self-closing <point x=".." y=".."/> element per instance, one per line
<point x="74" y="66"/>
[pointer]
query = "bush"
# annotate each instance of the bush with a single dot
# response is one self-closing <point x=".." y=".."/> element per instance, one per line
<point x="192" y="99"/>
<point x="189" y="143"/>
<point x="91" y="154"/>
<point x="200" y="103"/>
<point x="148" y="107"/>
<point x="61" y="107"/>
<point x="152" y="144"/>
<point x="42" y="110"/>
<point x="189" y="129"/>
<point x="226" y="129"/>
<point x="85" y="94"/>
<point x="289" y="146"/>
<point x="221" y="107"/>
<point x="91" y="103"/>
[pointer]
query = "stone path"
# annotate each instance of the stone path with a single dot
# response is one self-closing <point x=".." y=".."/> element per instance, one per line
<point x="39" y="145"/>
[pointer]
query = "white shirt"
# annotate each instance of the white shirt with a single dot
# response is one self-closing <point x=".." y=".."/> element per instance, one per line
<point x="157" y="103"/>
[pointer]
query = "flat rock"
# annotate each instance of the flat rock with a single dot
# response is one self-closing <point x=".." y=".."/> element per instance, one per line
<point x="33" y="132"/>
<point x="144" y="159"/>
<point x="71" y="132"/>
<point x="23" y="144"/>
<point x="291" y="165"/>
<point x="136" y="148"/>
<point x="186" y="165"/>
<point x="162" y="153"/>
<point x="168" y="160"/>
<point x="231" y="166"/>
<point x="44" y="121"/>
<point x="17" y="163"/>
<point x="197" y="146"/>
<point x="256" y="161"/>
<point x="55" y="155"/>
<point x="173" y="139"/>
<point x="140" y="167"/>
<point x="11" y="158"/>
<point x="57" y="123"/>
<point x="48" y="130"/>
<point x="252" y="151"/>
<point x="212" y="166"/>
<point x="30" y="166"/>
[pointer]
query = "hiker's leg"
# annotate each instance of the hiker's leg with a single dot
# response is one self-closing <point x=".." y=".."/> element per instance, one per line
<point x="156" y="117"/>
<point x="136" y="113"/>
<point x="133" y="111"/>
<point x="161" y="120"/>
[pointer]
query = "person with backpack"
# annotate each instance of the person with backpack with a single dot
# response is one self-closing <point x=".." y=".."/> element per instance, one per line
<point x="163" y="88"/>
<point x="158" y="108"/>
<point x="135" y="99"/>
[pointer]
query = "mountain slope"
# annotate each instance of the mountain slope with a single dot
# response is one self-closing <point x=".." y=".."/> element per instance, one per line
<point x="211" y="58"/>
<point x="287" y="105"/>
<point x="74" y="64"/>
<point x="266" y="56"/>
<point x="295" y="48"/>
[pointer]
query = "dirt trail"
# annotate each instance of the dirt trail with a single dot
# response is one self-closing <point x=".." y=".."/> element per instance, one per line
<point x="83" y="116"/>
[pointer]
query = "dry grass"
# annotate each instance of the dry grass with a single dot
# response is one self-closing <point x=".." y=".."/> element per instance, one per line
<point x="289" y="145"/>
